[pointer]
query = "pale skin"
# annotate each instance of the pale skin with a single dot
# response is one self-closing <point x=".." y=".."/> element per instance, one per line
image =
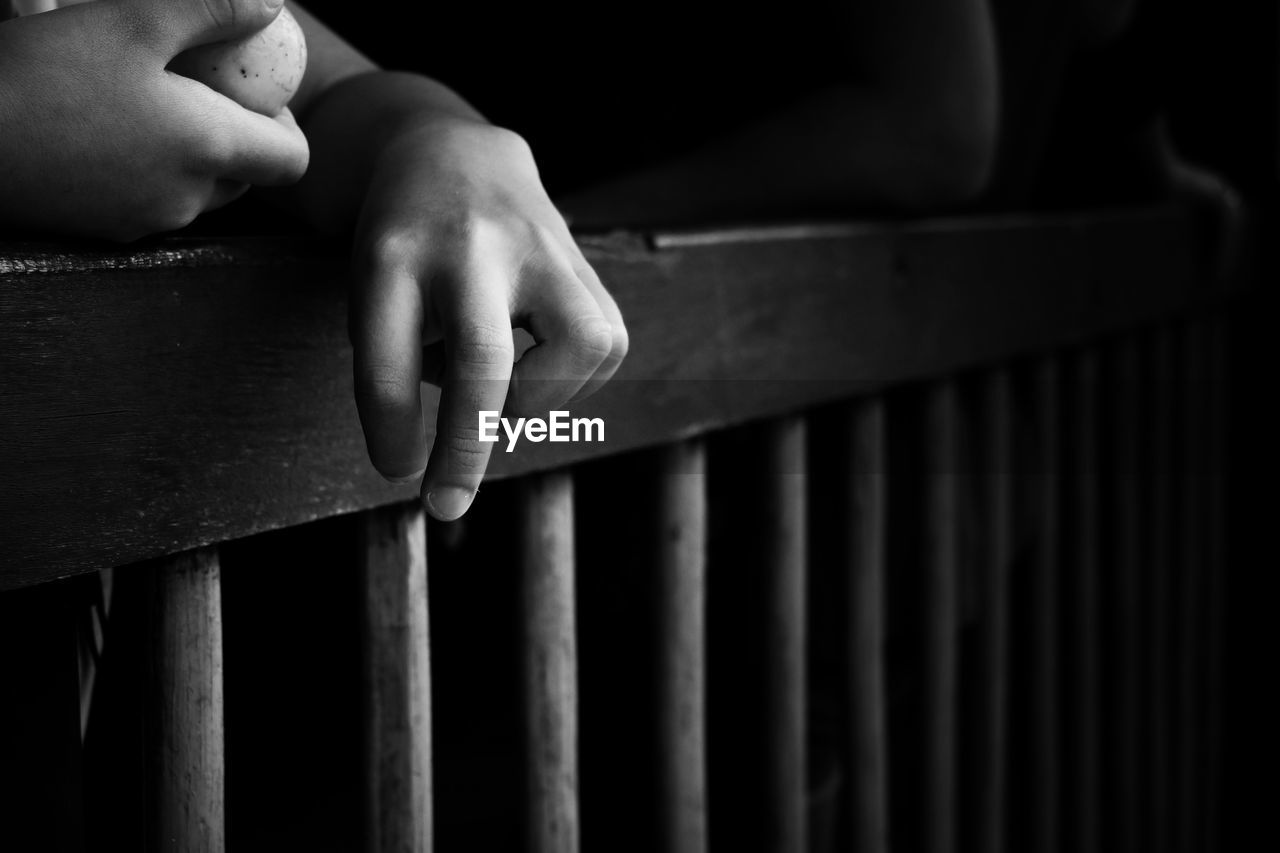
<point x="457" y="276"/>
<point x="99" y="140"/>
<point x="910" y="127"/>
<point x="456" y="241"/>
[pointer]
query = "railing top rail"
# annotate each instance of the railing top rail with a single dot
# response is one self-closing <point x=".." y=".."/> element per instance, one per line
<point x="164" y="397"/>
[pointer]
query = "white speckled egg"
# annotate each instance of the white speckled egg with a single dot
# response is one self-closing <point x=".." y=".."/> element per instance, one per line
<point x="261" y="72"/>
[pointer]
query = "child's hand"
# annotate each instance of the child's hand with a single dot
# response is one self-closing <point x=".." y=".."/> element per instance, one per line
<point x="456" y="243"/>
<point x="98" y="139"/>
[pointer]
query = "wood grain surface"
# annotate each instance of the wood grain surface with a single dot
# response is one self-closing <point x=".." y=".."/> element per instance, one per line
<point x="165" y="397"/>
<point x="185" y="736"/>
<point x="549" y="646"/>
<point x="681" y="571"/>
<point x="397" y="694"/>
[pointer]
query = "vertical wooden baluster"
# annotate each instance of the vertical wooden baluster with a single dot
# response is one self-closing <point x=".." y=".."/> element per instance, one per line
<point x="998" y="435"/>
<point x="941" y="608"/>
<point x="867" y="532"/>
<point x="1216" y="568"/>
<point x="1191" y="526"/>
<point x="1160" y="447"/>
<point x="785" y="578"/>
<point x="550" y="663"/>
<point x="185" y="744"/>
<point x="1085" y="576"/>
<point x="1045" y="781"/>
<point x="682" y="569"/>
<point x="397" y="697"/>
<point x="1127" y="728"/>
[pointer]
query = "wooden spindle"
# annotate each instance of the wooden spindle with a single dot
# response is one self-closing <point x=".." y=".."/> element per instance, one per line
<point x="1044" y="619"/>
<point x="397" y="664"/>
<point x="785" y="579"/>
<point x="1085" y="577"/>
<point x="942" y="615"/>
<point x="549" y="646"/>
<point x="866" y="549"/>
<point x="681" y="569"/>
<point x="186" y="760"/>
<point x="1126" y="672"/>
<point x="998" y="556"/>
<point x="1160" y="569"/>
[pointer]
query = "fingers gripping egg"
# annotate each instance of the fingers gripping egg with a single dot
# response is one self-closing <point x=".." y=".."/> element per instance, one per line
<point x="260" y="72"/>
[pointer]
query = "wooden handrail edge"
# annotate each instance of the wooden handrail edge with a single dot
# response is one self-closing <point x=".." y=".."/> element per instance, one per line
<point x="162" y="398"/>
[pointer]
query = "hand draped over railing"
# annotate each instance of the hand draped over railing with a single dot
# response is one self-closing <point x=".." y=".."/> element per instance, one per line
<point x="169" y="398"/>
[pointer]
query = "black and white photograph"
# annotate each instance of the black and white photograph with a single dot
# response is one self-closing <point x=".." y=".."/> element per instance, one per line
<point x="840" y="426"/>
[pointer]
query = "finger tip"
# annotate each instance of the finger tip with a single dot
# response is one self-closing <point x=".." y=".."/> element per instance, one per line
<point x="447" y="503"/>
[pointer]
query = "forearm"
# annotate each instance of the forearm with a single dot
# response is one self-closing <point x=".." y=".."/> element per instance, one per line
<point x="350" y="111"/>
<point x="912" y="126"/>
<point x="841" y="150"/>
<point x="351" y="125"/>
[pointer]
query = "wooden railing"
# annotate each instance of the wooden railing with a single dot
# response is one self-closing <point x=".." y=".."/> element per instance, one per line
<point x="159" y="401"/>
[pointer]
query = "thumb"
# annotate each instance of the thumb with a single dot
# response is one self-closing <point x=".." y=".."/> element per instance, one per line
<point x="175" y="25"/>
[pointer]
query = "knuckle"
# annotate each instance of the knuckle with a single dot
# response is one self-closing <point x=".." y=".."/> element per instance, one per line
<point x="484" y="350"/>
<point x="621" y="342"/>
<point x="465" y="452"/>
<point x="591" y="338"/>
<point x="477" y="237"/>
<point x="545" y="239"/>
<point x="511" y="142"/>
<point x="465" y="458"/>
<point x="230" y="13"/>
<point x="221" y="13"/>
<point x="514" y="139"/>
<point x="391" y="248"/>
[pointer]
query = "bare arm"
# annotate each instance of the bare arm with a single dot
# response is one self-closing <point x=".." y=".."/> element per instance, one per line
<point x="348" y="106"/>
<point x="98" y="139"/>
<point x="913" y="126"/>
<point x="455" y="242"/>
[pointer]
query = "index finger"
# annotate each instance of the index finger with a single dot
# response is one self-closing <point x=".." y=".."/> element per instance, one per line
<point x="479" y="354"/>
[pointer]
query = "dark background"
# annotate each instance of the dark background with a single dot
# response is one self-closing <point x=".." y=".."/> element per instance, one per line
<point x="597" y="89"/>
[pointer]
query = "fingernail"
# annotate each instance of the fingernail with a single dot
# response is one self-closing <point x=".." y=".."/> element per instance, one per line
<point x="400" y="481"/>
<point x="449" y="502"/>
<point x="272" y="5"/>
